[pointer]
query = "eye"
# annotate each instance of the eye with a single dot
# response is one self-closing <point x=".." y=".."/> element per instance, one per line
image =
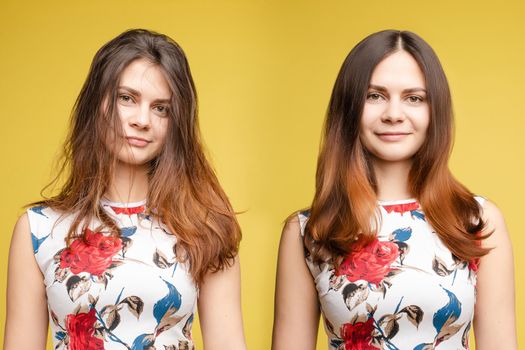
<point x="374" y="96"/>
<point x="161" y="110"/>
<point x="126" y="99"/>
<point x="415" y="99"/>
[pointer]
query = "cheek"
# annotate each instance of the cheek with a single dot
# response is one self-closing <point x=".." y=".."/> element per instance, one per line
<point x="371" y="115"/>
<point x="365" y="122"/>
<point x="161" y="129"/>
<point x="124" y="112"/>
<point x="111" y="136"/>
<point x="421" y="123"/>
<point x="422" y="120"/>
<point x="366" y="125"/>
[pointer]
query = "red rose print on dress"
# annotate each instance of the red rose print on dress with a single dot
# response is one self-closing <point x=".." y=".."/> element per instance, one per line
<point x="370" y="263"/>
<point x="93" y="255"/>
<point x="81" y="330"/>
<point x="358" y="336"/>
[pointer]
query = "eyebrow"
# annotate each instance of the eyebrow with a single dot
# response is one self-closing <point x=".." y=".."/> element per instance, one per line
<point x="137" y="93"/>
<point x="384" y="89"/>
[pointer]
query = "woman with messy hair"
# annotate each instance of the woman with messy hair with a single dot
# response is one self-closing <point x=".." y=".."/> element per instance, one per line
<point x="141" y="231"/>
<point x="394" y="252"/>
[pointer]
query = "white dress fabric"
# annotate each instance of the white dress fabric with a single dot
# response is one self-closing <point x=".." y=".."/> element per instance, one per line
<point x="403" y="291"/>
<point x="126" y="292"/>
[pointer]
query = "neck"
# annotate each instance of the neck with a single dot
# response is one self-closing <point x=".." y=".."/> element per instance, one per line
<point x="392" y="179"/>
<point x="129" y="183"/>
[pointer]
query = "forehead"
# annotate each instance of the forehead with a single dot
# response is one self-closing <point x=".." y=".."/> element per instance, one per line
<point x="147" y="78"/>
<point x="399" y="69"/>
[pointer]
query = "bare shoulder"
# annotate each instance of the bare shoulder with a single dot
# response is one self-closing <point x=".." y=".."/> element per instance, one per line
<point x="291" y="246"/>
<point x="496" y="224"/>
<point x="23" y="222"/>
<point x="492" y="214"/>
<point x="291" y="234"/>
<point x="21" y="232"/>
<point x="296" y="315"/>
<point x="21" y="243"/>
<point x="26" y="294"/>
<point x="495" y="291"/>
<point x="292" y="224"/>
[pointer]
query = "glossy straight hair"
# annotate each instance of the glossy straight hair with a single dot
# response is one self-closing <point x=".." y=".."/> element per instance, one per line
<point x="184" y="192"/>
<point x="344" y="213"/>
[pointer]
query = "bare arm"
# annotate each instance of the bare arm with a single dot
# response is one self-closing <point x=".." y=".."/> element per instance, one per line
<point x="26" y="322"/>
<point x="296" y="316"/>
<point x="220" y="310"/>
<point x="495" y="319"/>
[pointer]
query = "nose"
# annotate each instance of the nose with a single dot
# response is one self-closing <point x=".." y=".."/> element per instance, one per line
<point x="394" y="112"/>
<point x="141" y="119"/>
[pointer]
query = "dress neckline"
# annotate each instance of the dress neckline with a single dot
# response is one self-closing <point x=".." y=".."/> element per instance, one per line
<point x="400" y="206"/>
<point x="128" y="208"/>
<point x="397" y="201"/>
<point x="112" y="204"/>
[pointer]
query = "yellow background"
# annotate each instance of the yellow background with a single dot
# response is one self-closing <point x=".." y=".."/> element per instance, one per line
<point x="264" y="71"/>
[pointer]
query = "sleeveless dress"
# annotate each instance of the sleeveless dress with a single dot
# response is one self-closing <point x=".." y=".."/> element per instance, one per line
<point x="405" y="290"/>
<point x="119" y="293"/>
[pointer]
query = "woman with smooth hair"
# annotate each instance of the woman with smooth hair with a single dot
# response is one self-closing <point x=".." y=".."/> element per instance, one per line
<point x="140" y="232"/>
<point x="393" y="252"/>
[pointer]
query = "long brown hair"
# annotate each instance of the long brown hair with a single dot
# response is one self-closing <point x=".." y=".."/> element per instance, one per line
<point x="183" y="190"/>
<point x="344" y="212"/>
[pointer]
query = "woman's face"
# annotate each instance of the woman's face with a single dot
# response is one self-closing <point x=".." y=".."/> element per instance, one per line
<point x="142" y="104"/>
<point x="396" y="112"/>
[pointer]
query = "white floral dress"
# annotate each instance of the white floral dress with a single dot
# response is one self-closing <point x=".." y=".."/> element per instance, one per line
<point x="119" y="293"/>
<point x="403" y="291"/>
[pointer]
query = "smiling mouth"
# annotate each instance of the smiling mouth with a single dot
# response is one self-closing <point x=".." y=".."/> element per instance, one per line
<point x="392" y="136"/>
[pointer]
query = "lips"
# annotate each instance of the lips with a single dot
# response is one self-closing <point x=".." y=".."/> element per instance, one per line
<point x="137" y="141"/>
<point x="392" y="136"/>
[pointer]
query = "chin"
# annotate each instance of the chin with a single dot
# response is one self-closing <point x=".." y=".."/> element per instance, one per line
<point x="134" y="161"/>
<point x="389" y="157"/>
<point x="392" y="152"/>
<point x="396" y="159"/>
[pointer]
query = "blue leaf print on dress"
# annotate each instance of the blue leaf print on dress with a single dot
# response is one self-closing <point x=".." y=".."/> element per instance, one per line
<point x="402" y="234"/>
<point x="171" y="301"/>
<point x="417" y="214"/>
<point x="336" y="343"/>
<point x="37" y="242"/>
<point x="128" y="231"/>
<point x="143" y="341"/>
<point x="38" y="209"/>
<point x="60" y="335"/>
<point x="448" y="313"/>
